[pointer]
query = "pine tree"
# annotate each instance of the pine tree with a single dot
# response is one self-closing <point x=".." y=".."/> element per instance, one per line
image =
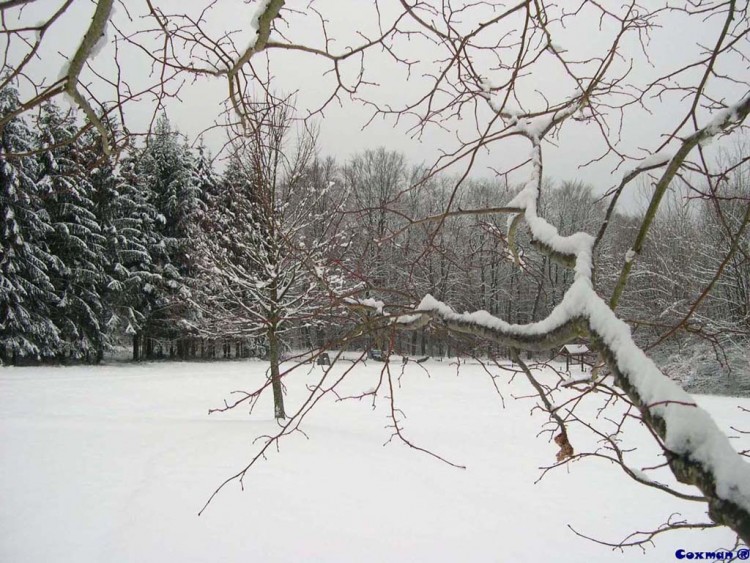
<point x="133" y="242"/>
<point x="27" y="295"/>
<point x="124" y="256"/>
<point x="166" y="169"/>
<point x="76" y="239"/>
<point x="207" y="185"/>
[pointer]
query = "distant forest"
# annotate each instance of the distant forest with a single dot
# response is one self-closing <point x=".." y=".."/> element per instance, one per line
<point x="155" y="249"/>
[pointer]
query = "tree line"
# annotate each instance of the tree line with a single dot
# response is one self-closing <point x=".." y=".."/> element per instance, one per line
<point x="158" y="249"/>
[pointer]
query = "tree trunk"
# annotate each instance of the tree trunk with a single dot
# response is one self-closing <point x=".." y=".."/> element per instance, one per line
<point x="136" y="347"/>
<point x="273" y="353"/>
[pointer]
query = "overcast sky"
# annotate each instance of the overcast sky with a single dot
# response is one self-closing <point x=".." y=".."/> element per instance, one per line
<point x="674" y="43"/>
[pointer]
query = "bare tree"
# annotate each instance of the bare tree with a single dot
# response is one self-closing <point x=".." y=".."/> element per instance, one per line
<point x="267" y="261"/>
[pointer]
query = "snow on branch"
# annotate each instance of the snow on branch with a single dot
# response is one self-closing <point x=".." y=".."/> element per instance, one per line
<point x="260" y="25"/>
<point x="90" y="44"/>
<point x="650" y="162"/>
<point x="722" y="122"/>
<point x="368" y="304"/>
<point x="697" y="451"/>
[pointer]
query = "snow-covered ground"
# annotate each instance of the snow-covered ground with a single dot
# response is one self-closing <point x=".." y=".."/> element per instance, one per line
<point x="113" y="464"/>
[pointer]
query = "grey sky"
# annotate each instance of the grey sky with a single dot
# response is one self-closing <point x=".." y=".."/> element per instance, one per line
<point x="673" y="44"/>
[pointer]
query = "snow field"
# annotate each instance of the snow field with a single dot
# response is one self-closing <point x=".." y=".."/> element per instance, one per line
<point x="113" y="464"/>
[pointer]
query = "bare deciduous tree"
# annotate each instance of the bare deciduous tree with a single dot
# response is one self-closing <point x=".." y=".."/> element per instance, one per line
<point x="268" y="267"/>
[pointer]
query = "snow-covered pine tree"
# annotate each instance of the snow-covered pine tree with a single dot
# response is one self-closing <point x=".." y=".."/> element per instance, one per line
<point x="206" y="182"/>
<point x="205" y="223"/>
<point x="133" y="241"/>
<point x="76" y="240"/>
<point x="27" y="295"/>
<point x="222" y="241"/>
<point x="126" y="219"/>
<point x="166" y="169"/>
